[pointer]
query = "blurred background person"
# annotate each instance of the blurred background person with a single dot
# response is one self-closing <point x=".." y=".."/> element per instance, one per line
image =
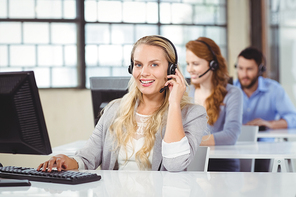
<point x="223" y="101"/>
<point x="266" y="104"/>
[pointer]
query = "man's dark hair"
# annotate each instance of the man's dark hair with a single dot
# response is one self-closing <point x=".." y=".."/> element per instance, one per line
<point x="252" y="53"/>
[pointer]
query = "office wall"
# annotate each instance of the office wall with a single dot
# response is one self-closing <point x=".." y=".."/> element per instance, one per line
<point x="239" y="32"/>
<point x="68" y="112"/>
<point x="68" y="115"/>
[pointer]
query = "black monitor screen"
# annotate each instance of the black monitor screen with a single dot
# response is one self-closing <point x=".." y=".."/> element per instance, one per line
<point x="106" y="89"/>
<point x="22" y="125"/>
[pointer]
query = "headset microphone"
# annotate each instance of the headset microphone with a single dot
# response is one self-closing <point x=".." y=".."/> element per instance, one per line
<point x="163" y="89"/>
<point x="204" y="73"/>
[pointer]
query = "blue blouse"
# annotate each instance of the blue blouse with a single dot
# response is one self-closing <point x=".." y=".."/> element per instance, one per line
<point x="227" y="128"/>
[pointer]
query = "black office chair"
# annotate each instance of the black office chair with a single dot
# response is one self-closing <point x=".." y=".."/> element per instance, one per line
<point x="104" y="90"/>
<point x="230" y="80"/>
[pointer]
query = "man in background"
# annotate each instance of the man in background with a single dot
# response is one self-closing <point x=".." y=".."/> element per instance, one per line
<point x="266" y="104"/>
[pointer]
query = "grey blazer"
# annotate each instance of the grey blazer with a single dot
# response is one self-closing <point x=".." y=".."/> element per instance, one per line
<point x="99" y="149"/>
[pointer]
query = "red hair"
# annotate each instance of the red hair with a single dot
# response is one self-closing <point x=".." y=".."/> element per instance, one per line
<point x="220" y="76"/>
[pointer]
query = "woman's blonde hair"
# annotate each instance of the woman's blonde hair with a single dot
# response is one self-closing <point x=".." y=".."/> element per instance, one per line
<point x="220" y="76"/>
<point x="124" y="125"/>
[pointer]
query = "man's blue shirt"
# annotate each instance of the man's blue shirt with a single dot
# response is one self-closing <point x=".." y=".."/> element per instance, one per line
<point x="268" y="102"/>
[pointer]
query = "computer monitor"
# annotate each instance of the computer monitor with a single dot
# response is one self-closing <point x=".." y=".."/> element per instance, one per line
<point x="104" y="90"/>
<point x="22" y="125"/>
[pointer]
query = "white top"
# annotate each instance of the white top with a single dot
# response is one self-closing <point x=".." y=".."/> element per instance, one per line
<point x="170" y="150"/>
<point x="132" y="148"/>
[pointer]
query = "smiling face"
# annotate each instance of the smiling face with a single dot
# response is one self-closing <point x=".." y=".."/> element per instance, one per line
<point x="197" y="66"/>
<point x="150" y="69"/>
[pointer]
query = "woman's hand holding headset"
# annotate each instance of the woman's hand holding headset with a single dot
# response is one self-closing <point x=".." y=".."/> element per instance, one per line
<point x="176" y="87"/>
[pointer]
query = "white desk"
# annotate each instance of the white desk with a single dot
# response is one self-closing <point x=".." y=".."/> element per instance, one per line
<point x="166" y="184"/>
<point x="280" y="152"/>
<point x="68" y="149"/>
<point x="277" y="133"/>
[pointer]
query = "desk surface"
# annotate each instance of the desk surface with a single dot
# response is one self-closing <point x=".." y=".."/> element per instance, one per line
<point x="68" y="149"/>
<point x="277" y="133"/>
<point x="242" y="150"/>
<point x="153" y="183"/>
<point x="260" y="150"/>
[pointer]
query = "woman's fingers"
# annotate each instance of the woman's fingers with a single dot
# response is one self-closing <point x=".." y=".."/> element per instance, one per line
<point x="44" y="166"/>
<point x="176" y="86"/>
<point x="175" y="77"/>
<point x="178" y="80"/>
<point x="58" y="161"/>
<point x="59" y="164"/>
<point x="51" y="163"/>
<point x="182" y="79"/>
<point x="40" y="166"/>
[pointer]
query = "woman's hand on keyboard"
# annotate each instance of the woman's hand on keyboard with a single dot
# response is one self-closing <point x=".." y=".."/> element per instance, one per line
<point x="61" y="162"/>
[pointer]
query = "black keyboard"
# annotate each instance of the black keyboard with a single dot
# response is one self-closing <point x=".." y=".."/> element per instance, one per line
<point x="65" y="177"/>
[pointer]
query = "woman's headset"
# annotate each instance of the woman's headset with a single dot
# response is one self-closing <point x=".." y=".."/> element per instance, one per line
<point x="172" y="66"/>
<point x="213" y="63"/>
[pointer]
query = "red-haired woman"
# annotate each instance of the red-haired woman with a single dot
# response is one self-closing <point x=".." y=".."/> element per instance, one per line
<point x="223" y="102"/>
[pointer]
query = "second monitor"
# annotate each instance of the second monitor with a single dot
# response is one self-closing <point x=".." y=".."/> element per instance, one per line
<point x="106" y="89"/>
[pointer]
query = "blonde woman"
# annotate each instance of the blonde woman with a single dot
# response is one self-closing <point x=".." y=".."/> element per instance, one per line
<point x="146" y="129"/>
<point x="223" y="102"/>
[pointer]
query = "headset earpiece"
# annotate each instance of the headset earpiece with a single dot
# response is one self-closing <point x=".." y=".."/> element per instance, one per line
<point x="172" y="69"/>
<point x="130" y="67"/>
<point x="261" y="69"/>
<point x="213" y="65"/>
